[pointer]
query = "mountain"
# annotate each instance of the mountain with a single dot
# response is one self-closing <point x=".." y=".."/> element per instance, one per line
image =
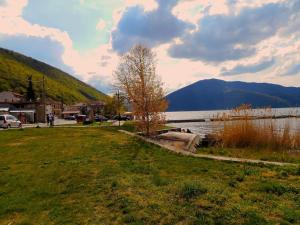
<point x="15" y="69"/>
<point x="215" y="94"/>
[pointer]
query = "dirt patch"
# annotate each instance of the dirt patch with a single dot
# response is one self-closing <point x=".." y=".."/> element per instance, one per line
<point x="22" y="141"/>
<point x="14" y="144"/>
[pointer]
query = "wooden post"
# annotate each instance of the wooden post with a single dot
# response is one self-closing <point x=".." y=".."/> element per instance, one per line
<point x="44" y="99"/>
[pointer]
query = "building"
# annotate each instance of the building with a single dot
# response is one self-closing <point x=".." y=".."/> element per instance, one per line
<point x="72" y="110"/>
<point x="15" y="104"/>
<point x="10" y="97"/>
<point x="97" y="107"/>
<point x="54" y="107"/>
<point x="29" y="112"/>
<point x="91" y="108"/>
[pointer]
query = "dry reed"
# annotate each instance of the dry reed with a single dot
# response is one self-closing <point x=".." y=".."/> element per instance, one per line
<point x="240" y="129"/>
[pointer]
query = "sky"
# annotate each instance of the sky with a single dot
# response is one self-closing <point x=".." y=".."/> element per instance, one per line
<point x="246" y="40"/>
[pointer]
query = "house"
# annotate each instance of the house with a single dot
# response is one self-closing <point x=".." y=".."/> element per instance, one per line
<point x="72" y="110"/>
<point x="15" y="104"/>
<point x="91" y="108"/>
<point x="97" y="107"/>
<point x="10" y="97"/>
<point x="54" y="107"/>
<point x="29" y="112"/>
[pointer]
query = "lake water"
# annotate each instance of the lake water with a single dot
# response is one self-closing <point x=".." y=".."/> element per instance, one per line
<point x="203" y="128"/>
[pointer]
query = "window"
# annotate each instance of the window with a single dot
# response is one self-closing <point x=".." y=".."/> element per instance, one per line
<point x="2" y="118"/>
<point x="11" y="118"/>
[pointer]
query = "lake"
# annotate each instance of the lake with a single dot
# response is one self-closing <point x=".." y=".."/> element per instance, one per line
<point x="203" y="128"/>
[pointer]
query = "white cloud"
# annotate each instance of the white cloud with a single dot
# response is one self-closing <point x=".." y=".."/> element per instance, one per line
<point x="193" y="10"/>
<point x="101" y="25"/>
<point x="12" y="8"/>
<point x="85" y="65"/>
<point x="147" y="5"/>
<point x="100" y="62"/>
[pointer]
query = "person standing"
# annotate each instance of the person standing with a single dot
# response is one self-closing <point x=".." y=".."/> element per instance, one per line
<point x="48" y="120"/>
<point x="52" y="120"/>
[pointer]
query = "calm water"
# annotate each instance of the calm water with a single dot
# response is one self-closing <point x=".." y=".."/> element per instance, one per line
<point x="209" y="127"/>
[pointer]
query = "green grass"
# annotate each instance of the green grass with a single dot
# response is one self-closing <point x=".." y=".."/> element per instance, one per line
<point x="101" y="176"/>
<point x="292" y="156"/>
<point x="94" y="124"/>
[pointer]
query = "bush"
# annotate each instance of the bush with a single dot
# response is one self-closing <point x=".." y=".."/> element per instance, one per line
<point x="87" y="122"/>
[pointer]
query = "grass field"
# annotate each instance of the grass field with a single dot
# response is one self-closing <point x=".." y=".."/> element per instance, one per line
<point x="101" y="176"/>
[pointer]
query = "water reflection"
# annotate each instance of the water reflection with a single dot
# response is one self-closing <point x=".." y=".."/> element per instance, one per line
<point x="203" y="128"/>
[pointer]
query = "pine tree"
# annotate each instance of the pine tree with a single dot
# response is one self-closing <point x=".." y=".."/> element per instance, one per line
<point x="30" y="94"/>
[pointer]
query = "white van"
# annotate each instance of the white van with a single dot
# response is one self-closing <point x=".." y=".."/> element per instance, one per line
<point x="8" y="121"/>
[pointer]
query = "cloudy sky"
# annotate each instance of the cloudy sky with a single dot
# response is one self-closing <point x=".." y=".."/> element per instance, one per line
<point x="248" y="40"/>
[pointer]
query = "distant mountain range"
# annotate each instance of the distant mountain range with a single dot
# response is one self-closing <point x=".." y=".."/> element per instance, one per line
<point x="15" y="69"/>
<point x="218" y="94"/>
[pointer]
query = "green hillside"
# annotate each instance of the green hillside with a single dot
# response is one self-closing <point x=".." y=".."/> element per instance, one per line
<point x="15" y="68"/>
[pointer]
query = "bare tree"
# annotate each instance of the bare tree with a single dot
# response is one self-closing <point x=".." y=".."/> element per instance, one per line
<point x="136" y="77"/>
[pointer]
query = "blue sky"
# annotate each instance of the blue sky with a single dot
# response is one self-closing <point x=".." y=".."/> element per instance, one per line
<point x="193" y="39"/>
<point x="79" y="20"/>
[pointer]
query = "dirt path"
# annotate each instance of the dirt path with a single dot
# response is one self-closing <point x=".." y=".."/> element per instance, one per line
<point x="219" y="158"/>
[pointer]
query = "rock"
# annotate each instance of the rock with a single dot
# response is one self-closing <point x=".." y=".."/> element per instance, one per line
<point x="186" y="141"/>
<point x="208" y="141"/>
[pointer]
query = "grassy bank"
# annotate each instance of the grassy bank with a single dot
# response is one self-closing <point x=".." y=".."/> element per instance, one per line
<point x="100" y="176"/>
<point x="291" y="156"/>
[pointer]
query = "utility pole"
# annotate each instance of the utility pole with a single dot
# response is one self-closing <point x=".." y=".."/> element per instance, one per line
<point x="62" y="102"/>
<point x="44" y="98"/>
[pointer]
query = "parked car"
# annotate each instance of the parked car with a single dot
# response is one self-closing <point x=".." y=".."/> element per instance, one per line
<point x="81" y="118"/>
<point x="70" y="118"/>
<point x="122" y="117"/>
<point x="8" y="121"/>
<point x="100" y="118"/>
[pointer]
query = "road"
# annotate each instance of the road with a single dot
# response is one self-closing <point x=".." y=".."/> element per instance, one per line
<point x="56" y="122"/>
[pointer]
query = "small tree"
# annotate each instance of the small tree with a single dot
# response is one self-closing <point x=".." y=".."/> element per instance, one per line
<point x="30" y="94"/>
<point x="113" y="106"/>
<point x="136" y="77"/>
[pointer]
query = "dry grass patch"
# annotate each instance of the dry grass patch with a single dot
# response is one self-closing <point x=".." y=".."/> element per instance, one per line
<point x="247" y="132"/>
